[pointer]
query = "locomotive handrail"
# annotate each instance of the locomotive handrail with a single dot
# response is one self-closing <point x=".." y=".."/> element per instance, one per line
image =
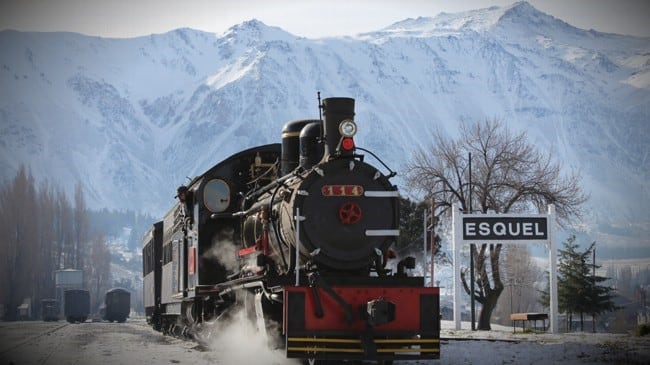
<point x="222" y="215"/>
<point x="298" y="219"/>
<point x="279" y="239"/>
<point x="392" y="173"/>
<point x="248" y="211"/>
<point x="280" y="181"/>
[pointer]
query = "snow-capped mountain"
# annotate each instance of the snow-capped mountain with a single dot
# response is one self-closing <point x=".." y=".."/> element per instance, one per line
<point x="132" y="118"/>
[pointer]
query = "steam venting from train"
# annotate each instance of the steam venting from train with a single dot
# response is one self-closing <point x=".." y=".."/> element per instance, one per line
<point x="228" y="337"/>
<point x="224" y="251"/>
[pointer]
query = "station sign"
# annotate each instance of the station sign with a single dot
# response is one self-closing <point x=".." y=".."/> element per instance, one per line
<point x="522" y="229"/>
<point x="503" y="228"/>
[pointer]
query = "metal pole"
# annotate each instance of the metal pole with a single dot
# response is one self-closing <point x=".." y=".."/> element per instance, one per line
<point x="424" y="244"/>
<point x="433" y="238"/>
<point x="552" y="256"/>
<point x="298" y="219"/>
<point x="472" y="249"/>
<point x="455" y="246"/>
<point x="593" y="283"/>
<point x="470" y="183"/>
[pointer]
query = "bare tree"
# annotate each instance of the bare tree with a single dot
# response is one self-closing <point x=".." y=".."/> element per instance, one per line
<point x="7" y="250"/>
<point x="19" y="238"/>
<point x="98" y="268"/>
<point x="509" y="175"/>
<point x="64" y="231"/>
<point x="520" y="278"/>
<point x="46" y="251"/>
<point x="40" y="233"/>
<point x="80" y="227"/>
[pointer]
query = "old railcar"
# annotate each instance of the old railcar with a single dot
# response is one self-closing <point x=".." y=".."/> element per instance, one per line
<point x="117" y="305"/>
<point x="50" y="309"/>
<point x="76" y="307"/>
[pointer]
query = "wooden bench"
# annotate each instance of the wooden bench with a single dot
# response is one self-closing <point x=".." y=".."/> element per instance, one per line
<point x="525" y="317"/>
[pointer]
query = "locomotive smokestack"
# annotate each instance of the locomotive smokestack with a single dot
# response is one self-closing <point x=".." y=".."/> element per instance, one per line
<point x="335" y="110"/>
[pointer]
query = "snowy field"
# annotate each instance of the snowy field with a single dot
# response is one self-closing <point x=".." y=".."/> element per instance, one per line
<point x="496" y="347"/>
<point x="133" y="342"/>
<point x="502" y="346"/>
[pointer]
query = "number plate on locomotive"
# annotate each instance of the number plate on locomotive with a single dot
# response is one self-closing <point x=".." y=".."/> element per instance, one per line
<point x="342" y="190"/>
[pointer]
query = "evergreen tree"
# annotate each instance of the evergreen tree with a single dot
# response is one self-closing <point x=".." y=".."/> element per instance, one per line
<point x="412" y="236"/>
<point x="572" y="279"/>
<point x="410" y="225"/>
<point x="599" y="297"/>
<point x="579" y="289"/>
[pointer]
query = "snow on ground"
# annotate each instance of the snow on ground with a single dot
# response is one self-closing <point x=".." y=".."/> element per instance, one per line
<point x="464" y="346"/>
<point x="134" y="342"/>
<point x="502" y="346"/>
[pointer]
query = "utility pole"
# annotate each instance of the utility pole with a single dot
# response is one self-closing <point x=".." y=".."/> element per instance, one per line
<point x="433" y="236"/>
<point x="472" y="249"/>
<point x="593" y="288"/>
<point x="425" y="230"/>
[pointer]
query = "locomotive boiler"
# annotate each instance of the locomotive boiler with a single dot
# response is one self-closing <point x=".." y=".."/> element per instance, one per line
<point x="347" y="211"/>
<point x="298" y="234"/>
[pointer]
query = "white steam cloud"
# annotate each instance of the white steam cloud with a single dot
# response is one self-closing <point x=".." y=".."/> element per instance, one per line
<point x="224" y="250"/>
<point x="237" y="340"/>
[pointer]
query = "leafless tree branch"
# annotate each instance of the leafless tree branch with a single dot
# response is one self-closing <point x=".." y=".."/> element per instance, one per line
<point x="509" y="175"/>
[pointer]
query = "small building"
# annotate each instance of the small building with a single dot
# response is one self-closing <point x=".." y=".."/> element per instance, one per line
<point x="67" y="279"/>
<point x="25" y="309"/>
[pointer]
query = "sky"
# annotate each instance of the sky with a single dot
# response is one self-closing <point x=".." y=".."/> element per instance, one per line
<point x="306" y="18"/>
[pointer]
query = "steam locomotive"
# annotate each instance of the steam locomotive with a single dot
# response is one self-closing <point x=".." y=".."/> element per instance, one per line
<point x="297" y="234"/>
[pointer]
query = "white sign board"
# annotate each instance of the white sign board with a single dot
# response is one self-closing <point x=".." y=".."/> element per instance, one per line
<point x="483" y="228"/>
<point x="505" y="228"/>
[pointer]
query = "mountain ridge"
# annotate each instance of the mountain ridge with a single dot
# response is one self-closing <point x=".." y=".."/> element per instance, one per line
<point x="132" y="118"/>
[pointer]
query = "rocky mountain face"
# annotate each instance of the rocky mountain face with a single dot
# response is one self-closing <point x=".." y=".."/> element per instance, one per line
<point x="132" y="118"/>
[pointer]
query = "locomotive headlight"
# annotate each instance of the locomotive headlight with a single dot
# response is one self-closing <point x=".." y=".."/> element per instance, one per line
<point x="348" y="128"/>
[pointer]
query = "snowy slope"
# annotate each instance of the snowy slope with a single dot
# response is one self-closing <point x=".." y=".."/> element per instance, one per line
<point x="132" y="118"/>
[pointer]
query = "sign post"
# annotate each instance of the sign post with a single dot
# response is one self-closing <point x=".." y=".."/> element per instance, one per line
<point x="505" y="228"/>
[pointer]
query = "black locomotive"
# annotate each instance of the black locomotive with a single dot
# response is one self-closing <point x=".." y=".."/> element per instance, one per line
<point x="298" y="233"/>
